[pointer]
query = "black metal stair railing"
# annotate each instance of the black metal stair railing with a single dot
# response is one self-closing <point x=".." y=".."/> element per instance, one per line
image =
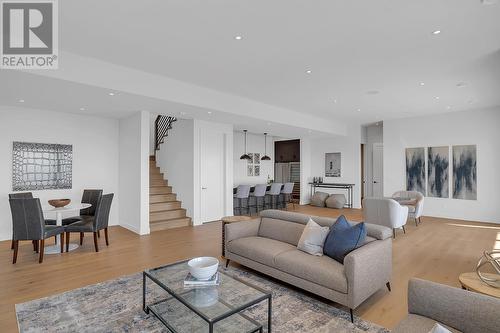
<point x="162" y="125"/>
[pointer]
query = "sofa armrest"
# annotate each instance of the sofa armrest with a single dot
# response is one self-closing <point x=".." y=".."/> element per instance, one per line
<point x="461" y="309"/>
<point x="367" y="269"/>
<point x="241" y="229"/>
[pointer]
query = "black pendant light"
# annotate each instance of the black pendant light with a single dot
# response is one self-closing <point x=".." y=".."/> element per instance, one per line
<point x="245" y="156"/>
<point x="265" y="157"/>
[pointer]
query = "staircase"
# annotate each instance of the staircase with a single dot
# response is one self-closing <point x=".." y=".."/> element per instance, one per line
<point x="165" y="211"/>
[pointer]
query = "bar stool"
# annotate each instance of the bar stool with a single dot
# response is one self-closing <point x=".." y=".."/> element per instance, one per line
<point x="274" y="193"/>
<point x="258" y="198"/>
<point x="287" y="194"/>
<point x="242" y="192"/>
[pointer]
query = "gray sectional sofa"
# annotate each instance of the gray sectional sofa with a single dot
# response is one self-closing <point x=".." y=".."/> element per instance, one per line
<point x="268" y="244"/>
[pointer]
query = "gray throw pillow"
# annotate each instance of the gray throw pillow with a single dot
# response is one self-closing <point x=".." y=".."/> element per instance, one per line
<point x="312" y="239"/>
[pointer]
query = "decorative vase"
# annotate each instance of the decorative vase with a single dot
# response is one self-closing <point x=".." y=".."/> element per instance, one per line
<point x="489" y="258"/>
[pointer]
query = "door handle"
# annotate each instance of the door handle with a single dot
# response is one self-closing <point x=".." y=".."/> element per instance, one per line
<point x="203" y="188"/>
<point x="375" y="182"/>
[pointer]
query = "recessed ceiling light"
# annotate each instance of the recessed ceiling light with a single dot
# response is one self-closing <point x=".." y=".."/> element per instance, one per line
<point x="422" y="83"/>
<point x="436" y="32"/>
<point x="238" y="37"/>
<point x="335" y="101"/>
<point x="359" y="110"/>
<point x="209" y="112"/>
<point x="111" y="94"/>
<point x="437" y="97"/>
<point x="82" y="109"/>
<point x="448" y="107"/>
<point x="309" y="71"/>
<point x="21" y="101"/>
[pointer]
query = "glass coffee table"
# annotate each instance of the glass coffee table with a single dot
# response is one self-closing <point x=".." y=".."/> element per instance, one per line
<point x="206" y="309"/>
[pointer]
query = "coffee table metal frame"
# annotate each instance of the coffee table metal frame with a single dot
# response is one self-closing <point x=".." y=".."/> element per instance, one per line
<point x="211" y="322"/>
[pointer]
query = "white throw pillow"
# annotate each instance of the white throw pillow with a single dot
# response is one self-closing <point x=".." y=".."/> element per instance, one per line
<point x="312" y="239"/>
<point x="437" y="328"/>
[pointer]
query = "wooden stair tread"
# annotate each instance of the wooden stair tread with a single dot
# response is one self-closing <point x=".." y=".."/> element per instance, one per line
<point x="169" y="224"/>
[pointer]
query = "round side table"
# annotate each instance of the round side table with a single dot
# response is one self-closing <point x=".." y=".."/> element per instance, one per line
<point x="470" y="281"/>
<point x="231" y="219"/>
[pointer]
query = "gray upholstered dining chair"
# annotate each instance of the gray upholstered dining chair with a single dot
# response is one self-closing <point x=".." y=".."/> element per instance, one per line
<point x="28" y="224"/>
<point x="274" y="193"/>
<point x="93" y="223"/>
<point x="286" y="192"/>
<point x="21" y="195"/>
<point x="242" y="196"/>
<point x="90" y="197"/>
<point x="257" y="199"/>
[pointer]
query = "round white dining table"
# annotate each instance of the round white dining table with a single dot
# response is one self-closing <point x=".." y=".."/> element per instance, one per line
<point x="53" y="249"/>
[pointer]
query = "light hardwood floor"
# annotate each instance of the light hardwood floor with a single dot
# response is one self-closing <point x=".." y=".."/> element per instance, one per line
<point x="438" y="250"/>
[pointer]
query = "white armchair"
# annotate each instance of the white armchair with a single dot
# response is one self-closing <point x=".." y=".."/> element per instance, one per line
<point x="414" y="200"/>
<point x="386" y="212"/>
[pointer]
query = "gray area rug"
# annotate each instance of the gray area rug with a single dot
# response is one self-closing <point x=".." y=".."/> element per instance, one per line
<point x="116" y="306"/>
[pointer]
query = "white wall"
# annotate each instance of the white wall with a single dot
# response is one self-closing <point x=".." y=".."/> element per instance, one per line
<point x="95" y="154"/>
<point x="350" y="149"/>
<point x="479" y="127"/>
<point x="255" y="144"/>
<point x="134" y="172"/>
<point x="227" y="131"/>
<point x="152" y="133"/>
<point x="176" y="160"/>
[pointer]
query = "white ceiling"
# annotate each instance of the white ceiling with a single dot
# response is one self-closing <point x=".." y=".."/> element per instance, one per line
<point x="20" y="90"/>
<point x="353" y="48"/>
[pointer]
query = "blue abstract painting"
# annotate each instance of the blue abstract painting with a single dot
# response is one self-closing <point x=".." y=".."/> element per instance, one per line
<point x="464" y="172"/>
<point x="415" y="169"/>
<point x="438" y="161"/>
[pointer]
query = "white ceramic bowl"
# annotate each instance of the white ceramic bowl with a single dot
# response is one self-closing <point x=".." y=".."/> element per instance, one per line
<point x="203" y="268"/>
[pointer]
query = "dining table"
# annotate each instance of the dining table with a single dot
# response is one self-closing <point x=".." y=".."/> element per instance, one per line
<point x="58" y="211"/>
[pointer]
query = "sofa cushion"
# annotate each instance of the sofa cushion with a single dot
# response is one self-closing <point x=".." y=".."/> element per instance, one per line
<point x="321" y="270"/>
<point x="344" y="238"/>
<point x="312" y="239"/>
<point x="260" y="249"/>
<point x="281" y="230"/>
<point x="418" y="324"/>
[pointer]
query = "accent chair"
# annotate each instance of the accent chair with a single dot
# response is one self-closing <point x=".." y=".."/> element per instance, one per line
<point x="414" y="200"/>
<point x="386" y="212"/>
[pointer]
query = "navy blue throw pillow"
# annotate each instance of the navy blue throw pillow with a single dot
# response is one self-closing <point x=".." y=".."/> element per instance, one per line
<point x="343" y="238"/>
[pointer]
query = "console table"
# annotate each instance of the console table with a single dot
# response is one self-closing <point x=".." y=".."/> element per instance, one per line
<point x="348" y="187"/>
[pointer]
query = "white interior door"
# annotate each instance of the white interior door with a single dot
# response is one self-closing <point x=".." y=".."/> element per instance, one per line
<point x="378" y="170"/>
<point x="212" y="175"/>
